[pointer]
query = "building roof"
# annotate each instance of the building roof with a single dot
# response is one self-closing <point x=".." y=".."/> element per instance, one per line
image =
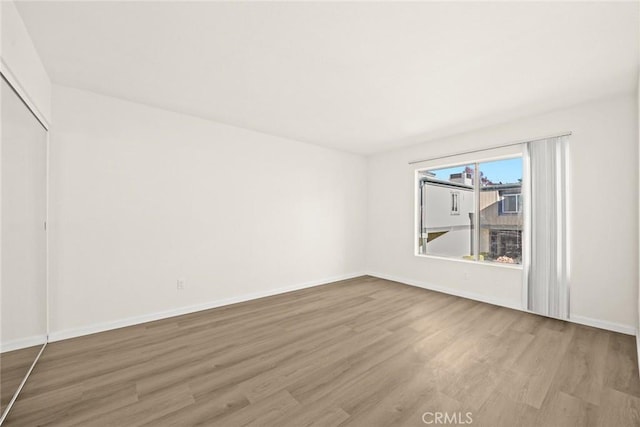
<point x="446" y="183"/>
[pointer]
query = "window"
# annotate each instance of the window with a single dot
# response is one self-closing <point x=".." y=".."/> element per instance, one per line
<point x="454" y="203"/>
<point x="511" y="204"/>
<point x="472" y="211"/>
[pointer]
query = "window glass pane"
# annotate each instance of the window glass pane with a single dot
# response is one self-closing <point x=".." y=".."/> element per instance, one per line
<point x="447" y="212"/>
<point x="501" y="211"/>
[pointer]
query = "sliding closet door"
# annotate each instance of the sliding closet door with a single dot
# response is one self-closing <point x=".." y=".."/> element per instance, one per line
<point x="23" y="315"/>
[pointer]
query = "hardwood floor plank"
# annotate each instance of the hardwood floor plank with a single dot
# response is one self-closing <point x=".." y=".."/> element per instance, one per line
<point x="540" y="362"/>
<point x="143" y="411"/>
<point x="261" y="413"/>
<point x="277" y="379"/>
<point x="503" y="410"/>
<point x="563" y="409"/>
<point x="400" y="404"/>
<point x="618" y="409"/>
<point x="581" y="373"/>
<point x="337" y="375"/>
<point x="622" y="365"/>
<point x="472" y="384"/>
<point x="205" y="411"/>
<point x="501" y="350"/>
<point x="312" y="415"/>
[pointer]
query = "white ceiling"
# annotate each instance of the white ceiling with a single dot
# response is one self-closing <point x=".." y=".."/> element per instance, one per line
<point x="361" y="77"/>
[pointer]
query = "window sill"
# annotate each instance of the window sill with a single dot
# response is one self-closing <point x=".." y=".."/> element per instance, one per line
<point x="470" y="261"/>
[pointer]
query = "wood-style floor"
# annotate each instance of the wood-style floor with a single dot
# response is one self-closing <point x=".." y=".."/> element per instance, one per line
<point x="14" y="365"/>
<point x="363" y="352"/>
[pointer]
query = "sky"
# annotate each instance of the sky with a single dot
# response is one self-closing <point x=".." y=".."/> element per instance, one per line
<point x="505" y="171"/>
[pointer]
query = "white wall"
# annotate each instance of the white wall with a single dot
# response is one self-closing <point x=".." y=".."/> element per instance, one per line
<point x="604" y="214"/>
<point x="20" y="63"/>
<point x="141" y="197"/>
<point x="438" y="212"/>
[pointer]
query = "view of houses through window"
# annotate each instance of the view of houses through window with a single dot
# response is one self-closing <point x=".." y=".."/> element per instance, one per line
<point x="472" y="208"/>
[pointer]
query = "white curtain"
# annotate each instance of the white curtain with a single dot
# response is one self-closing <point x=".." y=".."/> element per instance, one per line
<point x="546" y="262"/>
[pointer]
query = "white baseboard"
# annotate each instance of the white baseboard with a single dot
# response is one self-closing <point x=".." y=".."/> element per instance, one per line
<point x="150" y="317"/>
<point x="21" y="343"/>
<point x="450" y="291"/>
<point x="602" y="324"/>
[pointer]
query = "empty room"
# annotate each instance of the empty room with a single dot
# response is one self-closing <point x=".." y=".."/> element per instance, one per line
<point x="230" y="213"/>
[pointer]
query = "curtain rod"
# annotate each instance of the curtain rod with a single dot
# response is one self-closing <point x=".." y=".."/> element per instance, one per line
<point x="556" y="135"/>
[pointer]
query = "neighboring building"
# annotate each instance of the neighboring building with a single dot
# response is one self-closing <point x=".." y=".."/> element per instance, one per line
<point x="447" y="218"/>
<point x="501" y="222"/>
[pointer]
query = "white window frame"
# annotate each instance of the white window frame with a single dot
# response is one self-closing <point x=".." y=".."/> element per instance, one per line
<point x="475" y="161"/>
<point x="518" y="203"/>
